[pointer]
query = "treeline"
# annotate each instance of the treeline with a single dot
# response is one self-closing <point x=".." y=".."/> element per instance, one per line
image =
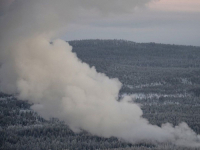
<point x="143" y="63"/>
<point x="138" y="54"/>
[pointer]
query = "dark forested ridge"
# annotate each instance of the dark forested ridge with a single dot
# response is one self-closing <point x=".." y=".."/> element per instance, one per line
<point x="165" y="79"/>
<point x="143" y="65"/>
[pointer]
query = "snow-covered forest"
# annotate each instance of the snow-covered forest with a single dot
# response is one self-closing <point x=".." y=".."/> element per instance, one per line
<point x="164" y="80"/>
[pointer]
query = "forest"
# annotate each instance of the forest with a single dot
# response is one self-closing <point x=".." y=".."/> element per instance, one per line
<point x="164" y="79"/>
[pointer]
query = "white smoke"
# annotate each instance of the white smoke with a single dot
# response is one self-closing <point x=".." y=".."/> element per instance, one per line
<point x="60" y="85"/>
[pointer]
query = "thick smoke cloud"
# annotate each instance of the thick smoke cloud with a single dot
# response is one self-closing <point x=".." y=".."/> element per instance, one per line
<point x="60" y="85"/>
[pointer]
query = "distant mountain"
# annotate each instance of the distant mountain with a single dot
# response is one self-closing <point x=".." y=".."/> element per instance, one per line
<point x="138" y="54"/>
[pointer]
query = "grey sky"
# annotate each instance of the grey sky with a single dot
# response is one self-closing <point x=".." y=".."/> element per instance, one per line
<point x="176" y="22"/>
<point x="160" y="21"/>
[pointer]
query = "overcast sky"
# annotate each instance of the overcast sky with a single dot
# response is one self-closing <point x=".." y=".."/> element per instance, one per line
<point x="161" y="21"/>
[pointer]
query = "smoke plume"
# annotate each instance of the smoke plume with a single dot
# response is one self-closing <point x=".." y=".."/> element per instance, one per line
<point x="60" y="85"/>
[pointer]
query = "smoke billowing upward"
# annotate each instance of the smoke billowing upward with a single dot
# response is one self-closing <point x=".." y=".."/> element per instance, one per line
<point x="60" y="85"/>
